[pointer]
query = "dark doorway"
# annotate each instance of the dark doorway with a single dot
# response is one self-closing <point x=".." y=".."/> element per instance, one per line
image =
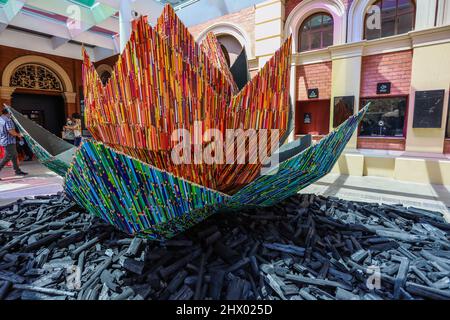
<point x="47" y="110"/>
<point x="312" y="117"/>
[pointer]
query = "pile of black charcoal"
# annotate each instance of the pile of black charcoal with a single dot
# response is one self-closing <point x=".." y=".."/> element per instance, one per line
<point x="307" y="248"/>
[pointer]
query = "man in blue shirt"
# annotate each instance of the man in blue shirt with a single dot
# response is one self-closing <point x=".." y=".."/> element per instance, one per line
<point x="8" y="137"/>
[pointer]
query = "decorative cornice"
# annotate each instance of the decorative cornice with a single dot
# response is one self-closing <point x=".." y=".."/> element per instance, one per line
<point x="407" y="41"/>
<point x="428" y="37"/>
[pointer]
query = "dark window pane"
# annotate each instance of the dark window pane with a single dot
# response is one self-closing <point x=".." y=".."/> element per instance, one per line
<point x="372" y="34"/>
<point x="316" y="21"/>
<point x="397" y="17"/>
<point x="405" y="6"/>
<point x="304" y="43"/>
<point x="385" y="117"/>
<point x="316" y="40"/>
<point x="328" y="38"/>
<point x="327" y="20"/>
<point x="387" y="26"/>
<point x="405" y="23"/>
<point x="388" y="6"/>
<point x="316" y="32"/>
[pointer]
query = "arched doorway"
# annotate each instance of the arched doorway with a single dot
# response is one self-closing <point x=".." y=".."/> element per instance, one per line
<point x="38" y="95"/>
<point x="36" y="83"/>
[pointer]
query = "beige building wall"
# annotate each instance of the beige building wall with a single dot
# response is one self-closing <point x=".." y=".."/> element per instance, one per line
<point x="430" y="71"/>
<point x="269" y="22"/>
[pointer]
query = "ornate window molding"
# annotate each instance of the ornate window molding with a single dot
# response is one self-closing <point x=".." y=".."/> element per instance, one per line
<point x="35" y="76"/>
<point x="308" y="7"/>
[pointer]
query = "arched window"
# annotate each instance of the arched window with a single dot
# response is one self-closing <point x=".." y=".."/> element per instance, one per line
<point x="316" y="32"/>
<point x="35" y="76"/>
<point x="396" y="17"/>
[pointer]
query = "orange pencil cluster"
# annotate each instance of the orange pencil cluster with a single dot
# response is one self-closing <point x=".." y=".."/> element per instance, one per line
<point x="165" y="81"/>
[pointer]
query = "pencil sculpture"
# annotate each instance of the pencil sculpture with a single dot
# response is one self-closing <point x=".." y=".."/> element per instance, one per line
<point x="166" y="100"/>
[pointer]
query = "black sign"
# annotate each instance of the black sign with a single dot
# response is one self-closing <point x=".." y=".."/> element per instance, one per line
<point x="383" y="87"/>
<point x="428" y="109"/>
<point x="307" y="118"/>
<point x="313" y="93"/>
<point x="343" y="109"/>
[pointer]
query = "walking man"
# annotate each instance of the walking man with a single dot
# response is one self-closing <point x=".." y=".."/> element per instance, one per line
<point x="8" y="137"/>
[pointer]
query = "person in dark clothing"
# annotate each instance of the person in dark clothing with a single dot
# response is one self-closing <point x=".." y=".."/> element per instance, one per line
<point x="8" y="137"/>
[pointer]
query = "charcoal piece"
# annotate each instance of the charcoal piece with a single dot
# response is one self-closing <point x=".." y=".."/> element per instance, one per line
<point x="235" y="289"/>
<point x="400" y="279"/>
<point x="43" y="290"/>
<point x="43" y="241"/>
<point x="340" y="275"/>
<point x="427" y="292"/>
<point x="125" y="294"/>
<point x="227" y="254"/>
<point x="176" y="281"/>
<point x="185" y="293"/>
<point x="199" y="284"/>
<point x="70" y="239"/>
<point x="208" y="231"/>
<point x="11" y="277"/>
<point x="178" y="243"/>
<point x="5" y="224"/>
<point x="304" y="293"/>
<point x="96" y="274"/>
<point x="4" y="288"/>
<point x="133" y="265"/>
<point x="167" y="271"/>
<point x="31" y="295"/>
<point x="94" y="293"/>
<point x="216" y="284"/>
<point x="107" y="278"/>
<point x="62" y="263"/>
<point x="359" y="255"/>
<point x="324" y="270"/>
<point x="289" y="289"/>
<point x="342" y="294"/>
<point x="238" y="265"/>
<point x="48" y="279"/>
<point x="85" y="246"/>
<point x="134" y="247"/>
<point x="292" y="249"/>
<point x="213" y="238"/>
<point x="275" y="283"/>
<point x="317" y="282"/>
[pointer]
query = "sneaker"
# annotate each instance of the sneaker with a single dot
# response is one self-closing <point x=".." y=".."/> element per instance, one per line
<point x="21" y="173"/>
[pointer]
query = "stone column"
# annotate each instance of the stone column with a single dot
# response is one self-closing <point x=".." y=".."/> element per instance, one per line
<point x="430" y="71"/>
<point x="71" y="103"/>
<point x="269" y="21"/>
<point x="346" y="78"/>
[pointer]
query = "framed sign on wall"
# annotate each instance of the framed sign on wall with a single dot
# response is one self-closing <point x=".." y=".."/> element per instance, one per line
<point x="343" y="108"/>
<point x="428" y="109"/>
<point x="383" y="88"/>
<point x="313" y="93"/>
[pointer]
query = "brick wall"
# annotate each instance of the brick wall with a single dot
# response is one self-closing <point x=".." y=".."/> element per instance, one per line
<point x="245" y="19"/>
<point x="71" y="66"/>
<point x="389" y="67"/>
<point x="311" y="76"/>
